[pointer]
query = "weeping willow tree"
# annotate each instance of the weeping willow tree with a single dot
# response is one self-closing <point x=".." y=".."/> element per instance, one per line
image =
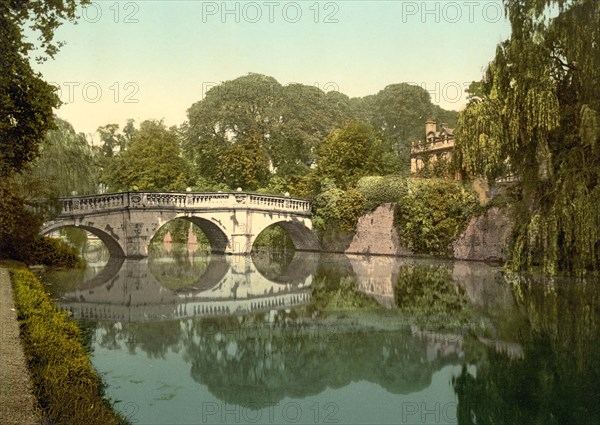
<point x="66" y="165"/>
<point x="535" y="116"/>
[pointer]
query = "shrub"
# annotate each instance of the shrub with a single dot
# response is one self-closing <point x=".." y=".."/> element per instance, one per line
<point x="338" y="209"/>
<point x="379" y="190"/>
<point x="433" y="213"/>
<point x="19" y="224"/>
<point x="54" y="253"/>
<point x="67" y="387"/>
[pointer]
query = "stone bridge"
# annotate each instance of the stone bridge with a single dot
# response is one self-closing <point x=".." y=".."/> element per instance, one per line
<point x="231" y="221"/>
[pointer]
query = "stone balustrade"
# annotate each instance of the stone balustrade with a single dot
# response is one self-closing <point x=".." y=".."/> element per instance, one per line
<point x="182" y="200"/>
<point x="430" y="147"/>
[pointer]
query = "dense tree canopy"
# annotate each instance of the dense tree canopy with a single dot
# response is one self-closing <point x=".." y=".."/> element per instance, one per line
<point x="400" y="111"/>
<point x="26" y="111"/>
<point x="66" y="164"/>
<point x="352" y="152"/>
<point x="26" y="100"/>
<point x="289" y="122"/>
<point x="536" y="116"/>
<point x="244" y="164"/>
<point x="292" y="122"/>
<point x="151" y="162"/>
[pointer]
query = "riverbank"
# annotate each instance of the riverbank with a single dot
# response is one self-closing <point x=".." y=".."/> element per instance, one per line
<point x="17" y="403"/>
<point x="67" y="387"/>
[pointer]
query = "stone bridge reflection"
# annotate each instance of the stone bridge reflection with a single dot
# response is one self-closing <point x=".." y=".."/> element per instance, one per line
<point x="217" y="285"/>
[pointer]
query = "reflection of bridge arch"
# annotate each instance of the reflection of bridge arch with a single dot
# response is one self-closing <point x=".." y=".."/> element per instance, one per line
<point x="126" y="222"/>
<point x="217" y="268"/>
<point x="134" y="294"/>
<point x="302" y="265"/>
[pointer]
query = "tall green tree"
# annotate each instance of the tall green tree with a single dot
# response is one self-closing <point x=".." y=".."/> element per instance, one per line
<point x="244" y="164"/>
<point x="290" y="122"/>
<point x="400" y="111"/>
<point x="153" y="161"/>
<point x="114" y="143"/>
<point x="66" y="164"/>
<point x="26" y="108"/>
<point x="26" y="100"/>
<point x="227" y="115"/>
<point x="536" y="115"/>
<point x="354" y="151"/>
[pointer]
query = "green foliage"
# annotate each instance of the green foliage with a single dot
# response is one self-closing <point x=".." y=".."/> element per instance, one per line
<point x="535" y="115"/>
<point x="334" y="291"/>
<point x="433" y="213"/>
<point x="19" y="234"/>
<point x="66" y="164"/>
<point x="274" y="238"/>
<point x="244" y="164"/>
<point x="204" y="185"/>
<point x="26" y="100"/>
<point x="177" y="268"/>
<point x="114" y="141"/>
<point x="179" y="230"/>
<point x="19" y="224"/>
<point x="288" y="121"/>
<point x="65" y="383"/>
<point x="151" y="162"/>
<point x="440" y="168"/>
<point x="431" y="294"/>
<point x="559" y="357"/>
<point x="291" y="122"/>
<point x="400" y="112"/>
<point x="336" y="209"/>
<point x="379" y="190"/>
<point x="54" y="253"/>
<point x="352" y="152"/>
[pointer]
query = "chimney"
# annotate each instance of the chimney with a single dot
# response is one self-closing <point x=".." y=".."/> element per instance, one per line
<point x="430" y="125"/>
<point x="444" y="125"/>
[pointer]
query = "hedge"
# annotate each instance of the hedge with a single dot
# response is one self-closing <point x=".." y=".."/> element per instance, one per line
<point x="66" y="385"/>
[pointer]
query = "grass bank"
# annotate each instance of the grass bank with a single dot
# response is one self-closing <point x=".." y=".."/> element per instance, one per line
<point x="68" y="389"/>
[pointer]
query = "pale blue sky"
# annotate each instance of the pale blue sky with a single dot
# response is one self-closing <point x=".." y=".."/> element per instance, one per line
<point x="164" y="54"/>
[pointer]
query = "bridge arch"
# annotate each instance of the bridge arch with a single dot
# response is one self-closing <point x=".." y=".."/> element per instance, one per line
<point x="217" y="238"/>
<point x="298" y="230"/>
<point x="114" y="247"/>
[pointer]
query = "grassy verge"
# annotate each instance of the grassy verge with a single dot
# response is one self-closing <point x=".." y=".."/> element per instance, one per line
<point x="66" y="385"/>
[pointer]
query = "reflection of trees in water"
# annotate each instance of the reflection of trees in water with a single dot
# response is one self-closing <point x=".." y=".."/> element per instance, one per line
<point x="249" y="362"/>
<point x="257" y="365"/>
<point x="271" y="264"/>
<point x="431" y="292"/>
<point x="179" y="267"/>
<point x="155" y="338"/>
<point x="557" y="379"/>
<point x="335" y="288"/>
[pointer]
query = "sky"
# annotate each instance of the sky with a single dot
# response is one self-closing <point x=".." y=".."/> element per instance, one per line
<point x="152" y="59"/>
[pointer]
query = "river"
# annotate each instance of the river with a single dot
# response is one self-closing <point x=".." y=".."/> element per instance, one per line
<point x="186" y="337"/>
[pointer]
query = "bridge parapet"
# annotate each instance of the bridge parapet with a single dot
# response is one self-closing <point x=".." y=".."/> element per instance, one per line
<point x="182" y="200"/>
<point x="112" y="201"/>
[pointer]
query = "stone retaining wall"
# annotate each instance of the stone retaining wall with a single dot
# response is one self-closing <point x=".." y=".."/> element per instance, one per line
<point x="376" y="234"/>
<point x="485" y="238"/>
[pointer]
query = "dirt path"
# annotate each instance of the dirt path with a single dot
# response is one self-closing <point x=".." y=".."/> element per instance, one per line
<point x="16" y="401"/>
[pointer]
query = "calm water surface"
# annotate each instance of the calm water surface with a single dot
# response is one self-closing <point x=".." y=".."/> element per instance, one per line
<point x="187" y="337"/>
